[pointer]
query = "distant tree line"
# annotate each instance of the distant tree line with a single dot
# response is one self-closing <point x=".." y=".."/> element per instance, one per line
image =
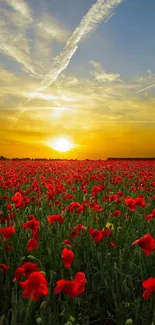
<point x="3" y="158"/>
<point x="151" y="158"/>
<point x="58" y="159"/>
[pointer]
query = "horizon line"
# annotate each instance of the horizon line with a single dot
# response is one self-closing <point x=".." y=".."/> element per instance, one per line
<point x="75" y="159"/>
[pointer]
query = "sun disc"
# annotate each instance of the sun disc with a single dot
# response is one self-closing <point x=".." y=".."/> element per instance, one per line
<point x="61" y="144"/>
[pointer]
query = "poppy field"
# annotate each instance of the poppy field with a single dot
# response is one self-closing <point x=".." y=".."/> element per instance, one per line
<point x="77" y="242"/>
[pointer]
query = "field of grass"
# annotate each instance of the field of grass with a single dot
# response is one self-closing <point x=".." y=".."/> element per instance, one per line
<point x="79" y="222"/>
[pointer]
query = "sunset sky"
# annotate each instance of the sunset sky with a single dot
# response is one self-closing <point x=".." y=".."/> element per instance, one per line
<point x="79" y="70"/>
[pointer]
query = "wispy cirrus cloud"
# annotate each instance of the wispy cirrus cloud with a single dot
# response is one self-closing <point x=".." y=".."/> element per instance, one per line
<point x="150" y="76"/>
<point x="19" y="55"/>
<point x="101" y="76"/>
<point x="22" y="32"/>
<point x="68" y="102"/>
<point x="51" y="29"/>
<point x="13" y="38"/>
<point x="46" y="31"/>
<point x="99" y="12"/>
<point x="22" y="7"/>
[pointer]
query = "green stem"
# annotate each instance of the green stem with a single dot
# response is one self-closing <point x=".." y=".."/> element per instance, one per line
<point x="153" y="320"/>
<point x="28" y="310"/>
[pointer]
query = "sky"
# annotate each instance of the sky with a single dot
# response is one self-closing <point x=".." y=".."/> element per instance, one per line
<point x="79" y="70"/>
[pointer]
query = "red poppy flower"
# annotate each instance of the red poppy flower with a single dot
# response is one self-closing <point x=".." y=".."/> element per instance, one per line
<point x="80" y="227"/>
<point x="117" y="213"/>
<point x="7" y="232"/>
<point x="96" y="189"/>
<point x="8" y="247"/>
<point x="56" y="217"/>
<point x="96" y="234"/>
<point x="4" y="267"/>
<point x="97" y="207"/>
<point x="77" y="230"/>
<point x="67" y="242"/>
<point x="29" y="268"/>
<point x="73" y="287"/>
<point x="147" y="243"/>
<point x="18" y="272"/>
<point x="32" y="244"/>
<point x="149" y="217"/>
<point x="120" y="194"/>
<point x="106" y="232"/>
<point x="31" y="217"/>
<point x="35" y="286"/>
<point x="112" y="244"/>
<point x="64" y="286"/>
<point x="9" y="206"/>
<point x="32" y="224"/>
<point x="25" y="269"/>
<point x="67" y="256"/>
<point x="79" y="283"/>
<point x="140" y="202"/>
<point x="18" y="199"/>
<point x="149" y="285"/>
<point x="113" y="198"/>
<point x="74" y="233"/>
<point x="73" y="206"/>
<point x="130" y="203"/>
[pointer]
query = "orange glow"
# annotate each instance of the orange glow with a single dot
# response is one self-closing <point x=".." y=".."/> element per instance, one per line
<point x="61" y="144"/>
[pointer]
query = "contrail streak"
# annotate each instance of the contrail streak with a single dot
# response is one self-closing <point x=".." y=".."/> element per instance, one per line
<point x="101" y="11"/>
<point x="145" y="88"/>
<point x="98" y="13"/>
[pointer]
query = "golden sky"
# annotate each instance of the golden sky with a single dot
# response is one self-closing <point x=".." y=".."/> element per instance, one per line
<point x="52" y="85"/>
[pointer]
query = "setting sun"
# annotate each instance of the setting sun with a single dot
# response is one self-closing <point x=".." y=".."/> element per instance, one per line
<point x="61" y="144"/>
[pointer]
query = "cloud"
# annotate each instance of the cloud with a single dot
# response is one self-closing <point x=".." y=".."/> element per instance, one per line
<point x="26" y="37"/>
<point x="46" y="30"/>
<point x="86" y="106"/>
<point x="19" y="55"/>
<point x="89" y="112"/>
<point x="101" y="76"/>
<point x="71" y="81"/>
<point x="12" y="84"/>
<point x="21" y="7"/>
<point x="6" y="77"/>
<point x="51" y="29"/>
<point x="13" y="41"/>
<point x="102" y="118"/>
<point x="147" y="78"/>
<point x="99" y="12"/>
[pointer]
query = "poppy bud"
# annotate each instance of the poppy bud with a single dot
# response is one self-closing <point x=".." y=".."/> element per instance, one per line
<point x="52" y="274"/>
<point x="129" y="322"/>
<point x="31" y="257"/>
<point x="39" y="320"/>
<point x="68" y="246"/>
<point x="43" y="305"/>
<point x="71" y="319"/>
